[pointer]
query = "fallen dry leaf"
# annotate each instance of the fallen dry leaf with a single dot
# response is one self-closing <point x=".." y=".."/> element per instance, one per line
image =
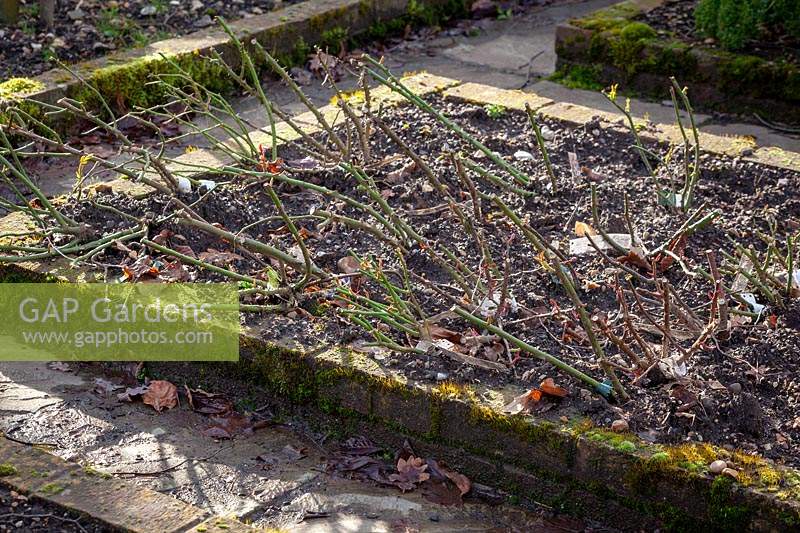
<point x="523" y="402"/>
<point x="583" y="229"/>
<point x="410" y="472"/>
<point x="208" y="403"/>
<point x="161" y="394"/>
<point x="131" y="393"/>
<point x="549" y="388"/>
<point x="219" y="258"/>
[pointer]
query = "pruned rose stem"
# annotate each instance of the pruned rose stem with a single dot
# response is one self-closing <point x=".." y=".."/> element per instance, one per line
<point x="247" y="62"/>
<point x="601" y="388"/>
<point x="596" y="219"/>
<point x="569" y="286"/>
<point x="307" y="272"/>
<point x="188" y="260"/>
<point x="381" y="74"/>
<point x="648" y="352"/>
<point x="612" y="97"/>
<point x="542" y="147"/>
<point x="280" y="71"/>
<point x="318" y="189"/>
<point x="719" y="299"/>
<point x="249" y="244"/>
<point x="496" y="180"/>
<point x="66" y="250"/>
<point x="694" y="178"/>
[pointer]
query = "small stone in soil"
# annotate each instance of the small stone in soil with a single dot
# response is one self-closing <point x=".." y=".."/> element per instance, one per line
<point x="619" y="426"/>
<point x="730" y="472"/>
<point x="717" y="467"/>
<point x="735" y="388"/>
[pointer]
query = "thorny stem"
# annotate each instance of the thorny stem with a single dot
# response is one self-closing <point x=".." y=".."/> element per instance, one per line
<point x="574" y="372"/>
<point x="389" y="80"/>
<point x="596" y="218"/>
<point x="632" y="126"/>
<point x="249" y="244"/>
<point x="688" y="192"/>
<point x="542" y="147"/>
<point x="247" y="61"/>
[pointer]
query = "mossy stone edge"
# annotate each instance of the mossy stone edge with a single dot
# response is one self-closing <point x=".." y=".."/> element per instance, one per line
<point x="614" y="48"/>
<point x="288" y="33"/>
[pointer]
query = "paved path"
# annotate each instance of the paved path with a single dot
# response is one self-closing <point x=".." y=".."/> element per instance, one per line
<point x="504" y="52"/>
<point x="43" y="405"/>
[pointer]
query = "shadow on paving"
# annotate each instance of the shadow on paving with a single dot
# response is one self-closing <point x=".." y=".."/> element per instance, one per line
<point x="168" y="452"/>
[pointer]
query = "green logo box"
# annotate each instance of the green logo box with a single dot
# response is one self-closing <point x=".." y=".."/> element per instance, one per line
<point x="119" y="322"/>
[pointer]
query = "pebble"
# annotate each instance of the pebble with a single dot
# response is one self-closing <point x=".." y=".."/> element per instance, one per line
<point x="717" y="467"/>
<point x="730" y="472"/>
<point x="441" y="376"/>
<point x="148" y="11"/>
<point x="196" y="5"/>
<point x="619" y="426"/>
<point x="203" y="22"/>
<point x="735" y="388"/>
<point x="76" y="14"/>
<point x="522" y="155"/>
<point x="548" y="134"/>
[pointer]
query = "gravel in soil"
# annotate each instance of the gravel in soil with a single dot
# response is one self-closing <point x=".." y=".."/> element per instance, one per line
<point x="92" y="28"/>
<point x="741" y="392"/>
<point x="24" y="514"/>
<point x="676" y="17"/>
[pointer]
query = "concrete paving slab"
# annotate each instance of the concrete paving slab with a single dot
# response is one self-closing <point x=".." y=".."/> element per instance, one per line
<point x="168" y="454"/>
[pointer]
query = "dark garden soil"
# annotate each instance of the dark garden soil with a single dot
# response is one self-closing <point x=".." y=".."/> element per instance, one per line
<point x="92" y="28"/>
<point x="25" y="514"/>
<point x="676" y="17"/>
<point x="741" y="391"/>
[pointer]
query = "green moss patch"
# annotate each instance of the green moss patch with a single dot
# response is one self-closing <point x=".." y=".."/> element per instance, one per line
<point x="51" y="489"/>
<point x="15" y="87"/>
<point x="579" y="77"/>
<point x="7" y="469"/>
<point x="620" y="49"/>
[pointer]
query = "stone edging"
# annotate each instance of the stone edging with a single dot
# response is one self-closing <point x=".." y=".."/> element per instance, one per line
<point x="116" y="503"/>
<point x="610" y="47"/>
<point x="628" y="481"/>
<point x="288" y="32"/>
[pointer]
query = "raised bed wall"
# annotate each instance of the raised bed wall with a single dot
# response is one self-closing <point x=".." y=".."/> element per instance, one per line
<point x="610" y="46"/>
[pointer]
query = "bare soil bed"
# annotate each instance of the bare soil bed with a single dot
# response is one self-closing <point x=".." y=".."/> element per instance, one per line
<point x="86" y="30"/>
<point x="677" y="17"/>
<point x="739" y="387"/>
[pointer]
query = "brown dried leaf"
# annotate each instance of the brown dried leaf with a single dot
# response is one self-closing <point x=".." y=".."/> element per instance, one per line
<point x="549" y="387"/>
<point x="397" y="176"/>
<point x="583" y="229"/>
<point x="161" y="394"/>
<point x="410" y="472"/>
<point x="208" y="403"/>
<point x="219" y="258"/>
<point x="523" y="402"/>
